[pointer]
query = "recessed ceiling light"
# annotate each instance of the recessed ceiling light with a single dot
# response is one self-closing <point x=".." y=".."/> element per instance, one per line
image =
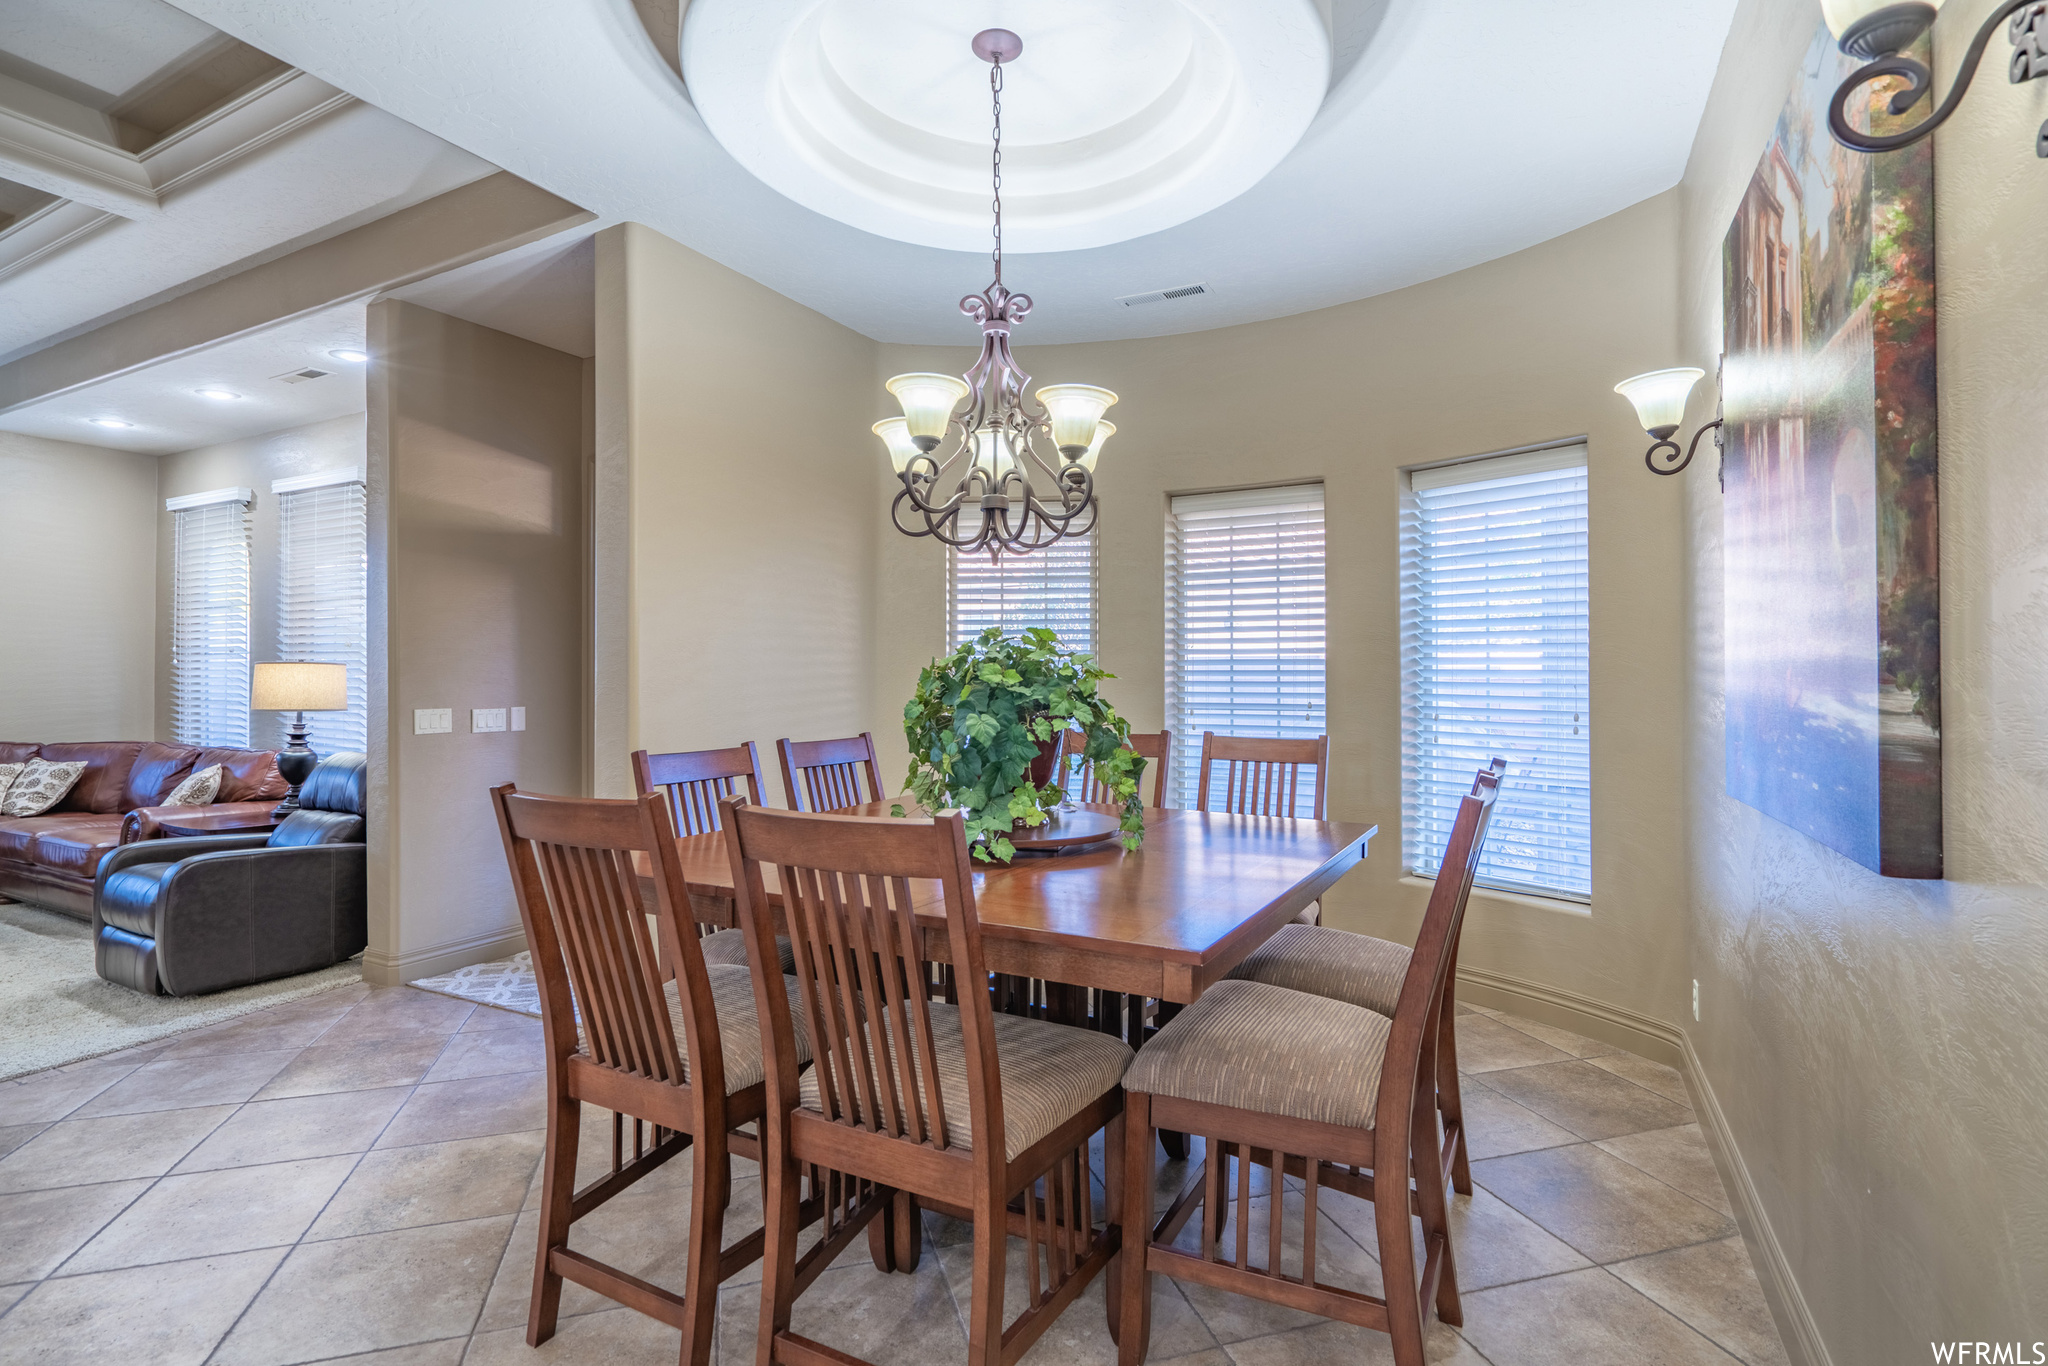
<point x="352" y="356"/>
<point x="109" y="422"/>
<point x="216" y="393"/>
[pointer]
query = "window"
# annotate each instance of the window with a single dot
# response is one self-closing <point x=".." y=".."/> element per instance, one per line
<point x="210" y="618"/>
<point x="1054" y="586"/>
<point x="1493" y="583"/>
<point x="1244" y="621"/>
<point x="322" y="600"/>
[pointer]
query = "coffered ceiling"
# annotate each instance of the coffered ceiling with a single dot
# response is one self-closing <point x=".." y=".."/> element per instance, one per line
<point x="143" y="153"/>
<point x="1449" y="134"/>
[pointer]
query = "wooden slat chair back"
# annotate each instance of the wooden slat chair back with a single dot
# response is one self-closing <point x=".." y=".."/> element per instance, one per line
<point x="883" y="1138"/>
<point x="610" y="1040"/>
<point x="825" y="775"/>
<point x="1370" y="1163"/>
<point x="1262" y="774"/>
<point x="696" y="781"/>
<point x="1157" y="751"/>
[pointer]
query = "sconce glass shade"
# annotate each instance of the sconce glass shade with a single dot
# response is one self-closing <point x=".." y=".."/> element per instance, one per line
<point x="1074" y="410"/>
<point x="298" y="687"/>
<point x="928" y="402"/>
<point x="991" y="454"/>
<point x="1659" y="397"/>
<point x="1840" y="14"/>
<point x="895" y="434"/>
<point x="1104" y="430"/>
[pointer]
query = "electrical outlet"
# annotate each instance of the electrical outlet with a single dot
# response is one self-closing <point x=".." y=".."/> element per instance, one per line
<point x="433" y="721"/>
<point x="519" y="718"/>
<point x="1695" y="1000"/>
<point x="485" y="720"/>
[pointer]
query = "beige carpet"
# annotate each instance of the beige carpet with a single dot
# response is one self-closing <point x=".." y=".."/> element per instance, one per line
<point x="54" y="1009"/>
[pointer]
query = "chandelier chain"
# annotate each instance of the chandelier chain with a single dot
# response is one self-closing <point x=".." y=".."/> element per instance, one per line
<point x="995" y="90"/>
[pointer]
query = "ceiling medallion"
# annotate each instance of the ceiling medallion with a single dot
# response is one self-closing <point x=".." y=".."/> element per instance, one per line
<point x="982" y="494"/>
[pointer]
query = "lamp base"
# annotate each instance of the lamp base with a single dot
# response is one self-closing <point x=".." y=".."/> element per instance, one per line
<point x="295" y="764"/>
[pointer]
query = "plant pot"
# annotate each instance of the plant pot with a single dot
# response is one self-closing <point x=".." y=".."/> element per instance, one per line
<point x="1043" y="766"/>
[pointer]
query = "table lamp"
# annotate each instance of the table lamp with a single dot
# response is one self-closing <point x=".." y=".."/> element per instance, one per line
<point x="297" y="687"/>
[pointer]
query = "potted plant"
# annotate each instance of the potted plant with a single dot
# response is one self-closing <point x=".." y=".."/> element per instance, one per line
<point x="989" y="713"/>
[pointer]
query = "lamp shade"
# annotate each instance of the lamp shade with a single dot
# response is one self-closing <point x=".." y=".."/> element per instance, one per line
<point x="1840" y="14"/>
<point x="1659" y="397"/>
<point x="928" y="402"/>
<point x="1104" y="430"/>
<point x="895" y="434"/>
<point x="1074" y="410"/>
<point x="299" y="687"/>
<point x="992" y="453"/>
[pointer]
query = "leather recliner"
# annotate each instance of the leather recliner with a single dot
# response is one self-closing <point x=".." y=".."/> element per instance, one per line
<point x="182" y="917"/>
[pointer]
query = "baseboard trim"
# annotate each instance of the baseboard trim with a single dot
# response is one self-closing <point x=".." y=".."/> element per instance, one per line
<point x="390" y="970"/>
<point x="1672" y="1046"/>
<point x="1796" y="1326"/>
<point x="1639" y="1034"/>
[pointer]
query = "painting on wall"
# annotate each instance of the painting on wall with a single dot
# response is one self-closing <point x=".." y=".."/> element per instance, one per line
<point x="1833" y="642"/>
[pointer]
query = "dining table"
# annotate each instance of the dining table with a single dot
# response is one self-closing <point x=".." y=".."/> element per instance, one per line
<point x="1166" y="920"/>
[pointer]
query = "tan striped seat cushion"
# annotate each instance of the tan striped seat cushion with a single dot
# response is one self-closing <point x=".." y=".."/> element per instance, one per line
<point x="739" y="1025"/>
<point x="1050" y="1073"/>
<point x="1256" y="1047"/>
<point x="1337" y="964"/>
<point x="730" y="946"/>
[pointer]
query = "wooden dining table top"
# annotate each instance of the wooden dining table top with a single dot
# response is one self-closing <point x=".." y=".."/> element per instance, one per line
<point x="1168" y="919"/>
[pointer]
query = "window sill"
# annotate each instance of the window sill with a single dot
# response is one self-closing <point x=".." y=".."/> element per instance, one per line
<point x="1554" y="904"/>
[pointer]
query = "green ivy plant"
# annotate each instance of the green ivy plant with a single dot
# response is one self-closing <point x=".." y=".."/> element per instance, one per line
<point x="979" y="718"/>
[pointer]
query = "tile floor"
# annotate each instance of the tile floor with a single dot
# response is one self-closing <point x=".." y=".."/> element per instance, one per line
<point x="352" y="1177"/>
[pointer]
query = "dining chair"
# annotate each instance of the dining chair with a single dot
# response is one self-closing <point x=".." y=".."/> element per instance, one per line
<point x="1156" y="749"/>
<point x="824" y="775"/>
<point x="1321" y="1090"/>
<point x="1368" y="972"/>
<point x="694" y="783"/>
<point x="914" y="1102"/>
<point x="683" y="1054"/>
<point x="1262" y="777"/>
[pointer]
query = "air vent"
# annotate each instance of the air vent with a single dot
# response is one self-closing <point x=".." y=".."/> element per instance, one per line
<point x="1160" y="296"/>
<point x="301" y="376"/>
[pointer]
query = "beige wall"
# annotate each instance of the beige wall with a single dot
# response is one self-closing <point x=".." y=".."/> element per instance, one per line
<point x="78" y="617"/>
<point x="1880" y="1047"/>
<point x="250" y="464"/>
<point x="1522" y="350"/>
<point x="735" y="552"/>
<point x="477" y="546"/>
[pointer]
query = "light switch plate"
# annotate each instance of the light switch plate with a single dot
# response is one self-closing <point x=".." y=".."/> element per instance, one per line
<point x="486" y="719"/>
<point x="433" y="721"/>
<point x="519" y="718"/>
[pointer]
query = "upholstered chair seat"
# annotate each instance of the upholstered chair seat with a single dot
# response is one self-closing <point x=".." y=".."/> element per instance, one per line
<point x="1340" y="965"/>
<point x="730" y="947"/>
<point x="1051" y="1072"/>
<point x="1269" y="1050"/>
<point x="739" y="1025"/>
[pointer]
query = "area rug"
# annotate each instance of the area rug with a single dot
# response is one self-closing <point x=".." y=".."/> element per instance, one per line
<point x="55" y="1009"/>
<point x="508" y="984"/>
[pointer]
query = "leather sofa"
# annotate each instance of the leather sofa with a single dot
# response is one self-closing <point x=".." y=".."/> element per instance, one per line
<point x="50" y="859"/>
<point x="182" y="917"/>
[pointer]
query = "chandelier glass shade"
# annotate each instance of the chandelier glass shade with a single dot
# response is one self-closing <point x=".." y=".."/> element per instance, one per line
<point x="1005" y="474"/>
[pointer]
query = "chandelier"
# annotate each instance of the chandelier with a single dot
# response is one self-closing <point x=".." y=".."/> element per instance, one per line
<point x="1006" y="474"/>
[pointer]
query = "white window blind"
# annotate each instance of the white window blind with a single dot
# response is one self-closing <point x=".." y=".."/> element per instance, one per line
<point x="322" y="608"/>
<point x="210" y="622"/>
<point x="1494" y="650"/>
<point x="1244" y="622"/>
<point x="1053" y="586"/>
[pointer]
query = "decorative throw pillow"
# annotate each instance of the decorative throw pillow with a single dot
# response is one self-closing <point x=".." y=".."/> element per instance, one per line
<point x="39" y="786"/>
<point x="8" y="773"/>
<point x="198" y="790"/>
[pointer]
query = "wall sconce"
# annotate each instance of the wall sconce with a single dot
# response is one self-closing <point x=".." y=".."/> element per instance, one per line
<point x="1659" y="398"/>
<point x="1877" y="33"/>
